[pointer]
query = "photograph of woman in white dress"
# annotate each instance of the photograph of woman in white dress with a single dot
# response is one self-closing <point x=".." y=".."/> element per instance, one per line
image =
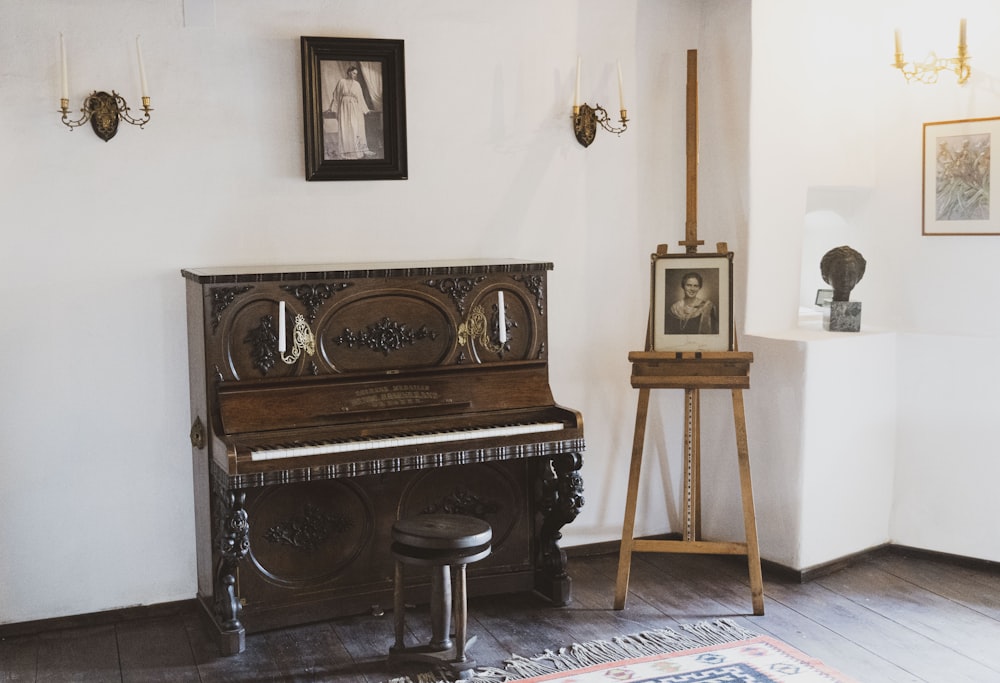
<point x="352" y="119"/>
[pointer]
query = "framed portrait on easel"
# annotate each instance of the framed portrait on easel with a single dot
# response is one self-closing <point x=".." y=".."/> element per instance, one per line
<point x="692" y="302"/>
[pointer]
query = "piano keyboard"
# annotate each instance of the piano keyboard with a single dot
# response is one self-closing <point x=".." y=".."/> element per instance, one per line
<point x="404" y="440"/>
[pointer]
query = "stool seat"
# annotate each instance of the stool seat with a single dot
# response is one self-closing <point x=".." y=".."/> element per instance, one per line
<point x="442" y="542"/>
<point x="442" y="532"/>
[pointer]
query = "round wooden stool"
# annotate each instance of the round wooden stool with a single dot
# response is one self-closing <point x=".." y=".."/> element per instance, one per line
<point x="439" y="542"/>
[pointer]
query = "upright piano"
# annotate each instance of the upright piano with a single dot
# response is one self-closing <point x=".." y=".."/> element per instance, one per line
<point x="328" y="401"/>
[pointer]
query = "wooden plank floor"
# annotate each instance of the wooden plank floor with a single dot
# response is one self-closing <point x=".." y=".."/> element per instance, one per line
<point x="892" y="616"/>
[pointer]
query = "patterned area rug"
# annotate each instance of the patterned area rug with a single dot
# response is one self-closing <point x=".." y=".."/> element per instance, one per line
<point x="707" y="652"/>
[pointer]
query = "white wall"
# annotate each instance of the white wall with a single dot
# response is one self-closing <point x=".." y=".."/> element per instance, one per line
<point x="95" y="481"/>
<point x="95" y="476"/>
<point x="836" y="141"/>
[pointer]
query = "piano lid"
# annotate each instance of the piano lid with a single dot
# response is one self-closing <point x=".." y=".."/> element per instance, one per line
<point x="456" y="267"/>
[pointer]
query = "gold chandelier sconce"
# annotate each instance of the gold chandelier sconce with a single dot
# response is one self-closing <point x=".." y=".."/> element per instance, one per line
<point x="587" y="118"/>
<point x="927" y="71"/>
<point x="104" y="111"/>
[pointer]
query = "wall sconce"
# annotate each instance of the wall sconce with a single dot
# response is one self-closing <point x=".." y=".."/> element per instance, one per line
<point x="586" y="118"/>
<point x="104" y="111"/>
<point x="928" y="70"/>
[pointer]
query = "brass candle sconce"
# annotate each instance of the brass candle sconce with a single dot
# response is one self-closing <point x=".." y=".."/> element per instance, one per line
<point x="104" y="111"/>
<point x="587" y="118"/>
<point x="927" y="71"/>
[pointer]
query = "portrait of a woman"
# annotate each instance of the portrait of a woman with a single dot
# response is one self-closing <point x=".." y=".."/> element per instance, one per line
<point x="692" y="312"/>
<point x="352" y="115"/>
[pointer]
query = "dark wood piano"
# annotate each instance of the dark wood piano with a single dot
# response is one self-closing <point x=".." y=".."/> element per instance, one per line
<point x="328" y="401"/>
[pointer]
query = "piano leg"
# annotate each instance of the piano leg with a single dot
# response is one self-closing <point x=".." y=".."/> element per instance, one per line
<point x="560" y="503"/>
<point x="234" y="545"/>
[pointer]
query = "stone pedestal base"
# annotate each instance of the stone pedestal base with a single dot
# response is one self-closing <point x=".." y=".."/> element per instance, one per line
<point x="845" y="316"/>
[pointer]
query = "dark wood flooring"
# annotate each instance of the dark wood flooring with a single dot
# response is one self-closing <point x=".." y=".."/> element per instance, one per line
<point x="893" y="615"/>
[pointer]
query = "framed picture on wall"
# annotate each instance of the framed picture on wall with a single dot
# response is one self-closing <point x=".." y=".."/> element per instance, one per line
<point x="354" y="108"/>
<point x="956" y="178"/>
<point x="692" y="302"/>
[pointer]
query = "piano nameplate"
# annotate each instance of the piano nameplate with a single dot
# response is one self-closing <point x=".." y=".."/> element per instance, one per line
<point x="254" y="407"/>
<point x="392" y="396"/>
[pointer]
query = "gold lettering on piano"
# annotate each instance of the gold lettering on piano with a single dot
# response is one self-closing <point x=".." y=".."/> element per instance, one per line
<point x="392" y="396"/>
<point x="302" y="340"/>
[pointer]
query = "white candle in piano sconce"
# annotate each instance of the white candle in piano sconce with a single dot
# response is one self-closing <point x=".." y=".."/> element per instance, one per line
<point x="501" y="319"/>
<point x="281" y="327"/>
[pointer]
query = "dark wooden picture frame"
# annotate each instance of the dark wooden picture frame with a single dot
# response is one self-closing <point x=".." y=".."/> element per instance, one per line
<point x="354" y="108"/>
<point x="699" y="318"/>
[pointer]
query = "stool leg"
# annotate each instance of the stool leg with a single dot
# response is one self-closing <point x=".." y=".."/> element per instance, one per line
<point x="461" y="613"/>
<point x="441" y="608"/>
<point x="398" y="608"/>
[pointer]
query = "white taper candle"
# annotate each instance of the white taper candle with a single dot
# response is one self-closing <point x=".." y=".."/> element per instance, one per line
<point x="621" y="88"/>
<point x="65" y="71"/>
<point x="501" y="319"/>
<point x="142" y="69"/>
<point x="576" y="93"/>
<point x="281" y="327"/>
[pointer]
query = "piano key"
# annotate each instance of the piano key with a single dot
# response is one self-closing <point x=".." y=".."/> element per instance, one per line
<point x="396" y="441"/>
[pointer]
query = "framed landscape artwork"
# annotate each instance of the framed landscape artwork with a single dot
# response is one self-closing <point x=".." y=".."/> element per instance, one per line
<point x="692" y="302"/>
<point x="958" y="164"/>
<point x="354" y="108"/>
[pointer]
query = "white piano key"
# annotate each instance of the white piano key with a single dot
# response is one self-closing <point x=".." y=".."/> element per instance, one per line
<point x="354" y="446"/>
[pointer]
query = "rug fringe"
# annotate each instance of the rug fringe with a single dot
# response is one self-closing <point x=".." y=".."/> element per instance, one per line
<point x="578" y="655"/>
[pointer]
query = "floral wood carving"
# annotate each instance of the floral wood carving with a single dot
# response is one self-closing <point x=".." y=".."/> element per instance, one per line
<point x="314" y="296"/>
<point x="308" y="530"/>
<point x="534" y="284"/>
<point x="462" y="501"/>
<point x="263" y="341"/>
<point x="456" y="287"/>
<point x="222" y="297"/>
<point x="384" y="336"/>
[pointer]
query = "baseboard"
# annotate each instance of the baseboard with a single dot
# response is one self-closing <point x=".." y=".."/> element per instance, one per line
<point x="777" y="571"/>
<point x="771" y="571"/>
<point x="92" y="619"/>
<point x="959" y="560"/>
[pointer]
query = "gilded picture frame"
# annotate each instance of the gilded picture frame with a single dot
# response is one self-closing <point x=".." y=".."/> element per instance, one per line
<point x="957" y="166"/>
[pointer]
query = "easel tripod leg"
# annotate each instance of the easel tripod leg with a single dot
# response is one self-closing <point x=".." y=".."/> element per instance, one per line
<point x="628" y="527"/>
<point x="749" y="517"/>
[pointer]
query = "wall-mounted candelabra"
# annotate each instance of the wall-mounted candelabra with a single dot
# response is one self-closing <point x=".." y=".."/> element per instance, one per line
<point x="587" y="118"/>
<point x="103" y="110"/>
<point x="927" y="71"/>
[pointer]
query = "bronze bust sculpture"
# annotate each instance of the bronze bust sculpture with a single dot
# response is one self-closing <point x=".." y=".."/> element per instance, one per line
<point x="842" y="268"/>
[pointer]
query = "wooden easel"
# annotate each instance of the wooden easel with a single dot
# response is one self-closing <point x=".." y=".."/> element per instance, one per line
<point x="692" y="372"/>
